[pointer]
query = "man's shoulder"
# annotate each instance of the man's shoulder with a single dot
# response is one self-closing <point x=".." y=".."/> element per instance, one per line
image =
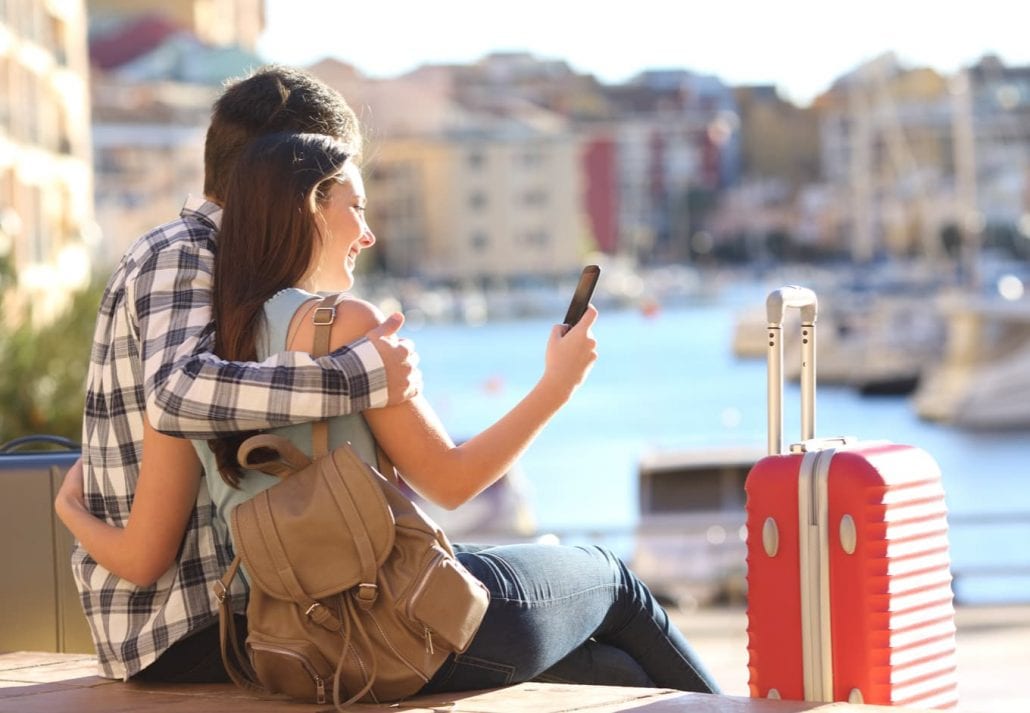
<point x="187" y="233"/>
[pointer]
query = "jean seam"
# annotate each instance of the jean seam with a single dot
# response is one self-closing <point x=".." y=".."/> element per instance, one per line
<point x="557" y="600"/>
<point x="499" y="563"/>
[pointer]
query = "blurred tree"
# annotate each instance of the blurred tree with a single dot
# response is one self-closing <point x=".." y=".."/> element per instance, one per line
<point x="7" y="276"/>
<point x="42" y="382"/>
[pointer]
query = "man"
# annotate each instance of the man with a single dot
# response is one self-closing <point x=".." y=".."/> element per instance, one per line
<point x="151" y="359"/>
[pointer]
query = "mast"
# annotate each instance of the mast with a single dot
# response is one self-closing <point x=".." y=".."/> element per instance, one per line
<point x="964" y="145"/>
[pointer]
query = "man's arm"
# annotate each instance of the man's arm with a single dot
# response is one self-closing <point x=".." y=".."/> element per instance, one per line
<point x="192" y="393"/>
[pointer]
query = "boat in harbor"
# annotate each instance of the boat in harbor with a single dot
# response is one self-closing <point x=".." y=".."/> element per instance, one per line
<point x="983" y="379"/>
<point x="690" y="539"/>
<point x="876" y="335"/>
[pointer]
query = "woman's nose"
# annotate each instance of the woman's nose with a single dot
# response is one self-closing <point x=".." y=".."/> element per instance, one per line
<point x="368" y="238"/>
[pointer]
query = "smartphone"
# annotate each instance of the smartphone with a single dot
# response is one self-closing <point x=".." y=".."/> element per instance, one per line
<point x="582" y="295"/>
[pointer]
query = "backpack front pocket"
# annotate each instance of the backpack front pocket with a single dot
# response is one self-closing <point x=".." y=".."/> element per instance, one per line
<point x="296" y="668"/>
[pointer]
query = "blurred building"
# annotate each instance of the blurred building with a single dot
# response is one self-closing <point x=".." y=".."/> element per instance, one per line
<point x="998" y="107"/>
<point x="778" y="139"/>
<point x="466" y="191"/>
<point x="214" y="22"/>
<point x="772" y="210"/>
<point x="678" y="147"/>
<point x="482" y="207"/>
<point x="148" y="142"/>
<point x="46" y="184"/>
<point x="887" y="155"/>
<point x="153" y="84"/>
<point x="630" y="169"/>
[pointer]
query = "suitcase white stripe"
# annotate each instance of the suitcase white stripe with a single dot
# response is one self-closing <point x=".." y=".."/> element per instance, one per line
<point x="905" y="639"/>
<point x="936" y="577"/>
<point x="913" y="549"/>
<point x="816" y="635"/>
<point x="937" y="559"/>
<point x="911" y="529"/>
<point x="923" y="671"/>
<point x="947" y="698"/>
<point x="923" y="650"/>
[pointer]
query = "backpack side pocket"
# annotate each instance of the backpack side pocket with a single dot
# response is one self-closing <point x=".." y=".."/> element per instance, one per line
<point x="448" y="603"/>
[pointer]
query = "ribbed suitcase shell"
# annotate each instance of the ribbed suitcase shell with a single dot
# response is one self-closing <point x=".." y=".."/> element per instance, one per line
<point x="849" y="581"/>
<point x="891" y="616"/>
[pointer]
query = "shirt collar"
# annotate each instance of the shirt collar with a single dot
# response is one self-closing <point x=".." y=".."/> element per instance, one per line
<point x="204" y="209"/>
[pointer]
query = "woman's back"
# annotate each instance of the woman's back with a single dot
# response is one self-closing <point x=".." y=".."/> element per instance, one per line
<point x="279" y="311"/>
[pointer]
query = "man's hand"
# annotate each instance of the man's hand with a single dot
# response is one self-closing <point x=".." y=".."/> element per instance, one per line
<point x="403" y="378"/>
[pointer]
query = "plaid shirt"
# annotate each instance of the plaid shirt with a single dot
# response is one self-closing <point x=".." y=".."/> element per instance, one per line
<point x="152" y="357"/>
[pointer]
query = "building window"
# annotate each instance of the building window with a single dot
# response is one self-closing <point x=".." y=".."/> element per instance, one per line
<point x="479" y="241"/>
<point x="477" y="200"/>
<point x="536" y="239"/>
<point x="530" y="158"/>
<point x="475" y="159"/>
<point x="534" y="197"/>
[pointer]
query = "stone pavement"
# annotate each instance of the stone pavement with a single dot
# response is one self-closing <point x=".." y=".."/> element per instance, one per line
<point x="993" y="653"/>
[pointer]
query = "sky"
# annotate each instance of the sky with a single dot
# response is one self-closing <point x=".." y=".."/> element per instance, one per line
<point x="799" y="45"/>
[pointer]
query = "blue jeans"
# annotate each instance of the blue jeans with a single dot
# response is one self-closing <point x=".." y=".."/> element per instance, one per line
<point x="568" y="614"/>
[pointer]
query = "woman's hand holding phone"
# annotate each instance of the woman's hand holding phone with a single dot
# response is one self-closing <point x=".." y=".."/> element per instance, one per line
<point x="570" y="355"/>
<point x="572" y="349"/>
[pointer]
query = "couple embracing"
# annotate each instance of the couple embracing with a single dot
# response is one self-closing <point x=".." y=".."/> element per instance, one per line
<point x="202" y="339"/>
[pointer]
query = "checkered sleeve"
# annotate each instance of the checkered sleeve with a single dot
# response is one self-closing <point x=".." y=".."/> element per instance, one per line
<point x="192" y="393"/>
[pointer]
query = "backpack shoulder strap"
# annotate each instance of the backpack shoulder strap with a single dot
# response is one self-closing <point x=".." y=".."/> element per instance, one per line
<point x="235" y="661"/>
<point x="323" y="317"/>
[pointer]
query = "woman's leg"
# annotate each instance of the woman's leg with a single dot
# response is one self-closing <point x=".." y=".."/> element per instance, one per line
<point x="547" y="601"/>
<point x="598" y="664"/>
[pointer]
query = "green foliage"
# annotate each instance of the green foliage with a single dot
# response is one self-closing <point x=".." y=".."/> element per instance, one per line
<point x="43" y="371"/>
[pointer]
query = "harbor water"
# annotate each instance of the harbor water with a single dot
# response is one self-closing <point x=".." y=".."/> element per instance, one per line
<point x="669" y="380"/>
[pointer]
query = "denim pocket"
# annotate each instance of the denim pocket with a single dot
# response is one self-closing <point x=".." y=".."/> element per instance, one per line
<point x="468" y="673"/>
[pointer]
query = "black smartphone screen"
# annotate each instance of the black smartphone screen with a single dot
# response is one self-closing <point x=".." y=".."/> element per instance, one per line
<point x="581" y="298"/>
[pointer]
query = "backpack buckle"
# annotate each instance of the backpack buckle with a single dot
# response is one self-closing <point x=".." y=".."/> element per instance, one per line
<point x="366" y="595"/>
<point x="323" y="316"/>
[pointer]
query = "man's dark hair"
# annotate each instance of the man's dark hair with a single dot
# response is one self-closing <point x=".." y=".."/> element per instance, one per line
<point x="273" y="99"/>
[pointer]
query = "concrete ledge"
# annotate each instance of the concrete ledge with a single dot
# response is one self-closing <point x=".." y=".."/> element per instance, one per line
<point x="44" y="682"/>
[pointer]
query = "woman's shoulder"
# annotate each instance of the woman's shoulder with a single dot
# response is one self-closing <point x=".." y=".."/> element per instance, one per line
<point x="350" y="308"/>
<point x="353" y="319"/>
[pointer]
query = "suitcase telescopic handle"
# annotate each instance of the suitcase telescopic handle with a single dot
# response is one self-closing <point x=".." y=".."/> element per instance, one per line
<point x="776" y="306"/>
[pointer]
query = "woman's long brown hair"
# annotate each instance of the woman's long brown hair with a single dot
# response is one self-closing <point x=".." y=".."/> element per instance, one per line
<point x="266" y="243"/>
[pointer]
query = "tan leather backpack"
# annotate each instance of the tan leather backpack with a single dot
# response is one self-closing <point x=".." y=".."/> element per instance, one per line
<point x="353" y="589"/>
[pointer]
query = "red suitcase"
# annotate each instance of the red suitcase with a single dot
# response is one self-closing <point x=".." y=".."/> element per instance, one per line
<point x="849" y="580"/>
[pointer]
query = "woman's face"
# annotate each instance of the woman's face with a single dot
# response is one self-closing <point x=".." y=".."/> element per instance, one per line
<point x="345" y="232"/>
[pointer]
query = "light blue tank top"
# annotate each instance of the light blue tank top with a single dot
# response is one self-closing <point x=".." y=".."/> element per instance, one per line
<point x="279" y="310"/>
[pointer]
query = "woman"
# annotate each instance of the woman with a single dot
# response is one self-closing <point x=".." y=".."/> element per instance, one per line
<point x="294" y="225"/>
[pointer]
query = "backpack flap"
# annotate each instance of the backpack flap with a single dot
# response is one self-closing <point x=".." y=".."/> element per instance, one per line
<point x="324" y="529"/>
